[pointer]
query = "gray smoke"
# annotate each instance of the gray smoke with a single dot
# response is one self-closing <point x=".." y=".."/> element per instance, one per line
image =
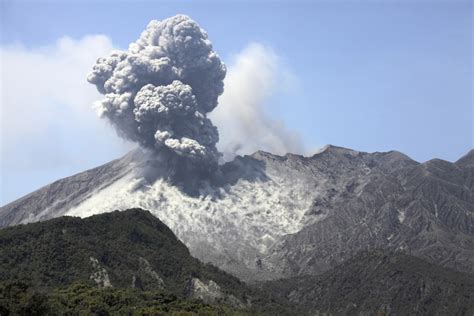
<point x="159" y="91"/>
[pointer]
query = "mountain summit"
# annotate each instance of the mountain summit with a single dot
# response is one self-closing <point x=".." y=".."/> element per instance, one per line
<point x="265" y="216"/>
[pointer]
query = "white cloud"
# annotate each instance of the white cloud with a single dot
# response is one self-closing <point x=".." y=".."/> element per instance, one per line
<point x="243" y="116"/>
<point x="46" y="104"/>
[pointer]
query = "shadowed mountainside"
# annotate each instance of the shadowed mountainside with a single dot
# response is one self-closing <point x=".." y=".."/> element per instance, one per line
<point x="379" y="282"/>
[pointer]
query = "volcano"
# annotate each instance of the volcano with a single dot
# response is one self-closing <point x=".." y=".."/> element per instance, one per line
<point x="264" y="216"/>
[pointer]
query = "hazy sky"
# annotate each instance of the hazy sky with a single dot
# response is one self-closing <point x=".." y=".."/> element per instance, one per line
<point x="368" y="75"/>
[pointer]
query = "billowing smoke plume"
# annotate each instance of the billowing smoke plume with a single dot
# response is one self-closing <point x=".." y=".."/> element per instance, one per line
<point x="159" y="92"/>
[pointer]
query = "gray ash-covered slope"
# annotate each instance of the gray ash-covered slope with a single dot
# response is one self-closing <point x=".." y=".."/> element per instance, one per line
<point x="267" y="216"/>
<point x="60" y="195"/>
<point x="425" y="209"/>
<point x="379" y="283"/>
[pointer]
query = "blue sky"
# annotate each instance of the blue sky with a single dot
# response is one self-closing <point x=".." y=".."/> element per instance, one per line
<point x="368" y="75"/>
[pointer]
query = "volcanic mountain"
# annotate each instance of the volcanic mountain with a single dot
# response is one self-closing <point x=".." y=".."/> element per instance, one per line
<point x="263" y="216"/>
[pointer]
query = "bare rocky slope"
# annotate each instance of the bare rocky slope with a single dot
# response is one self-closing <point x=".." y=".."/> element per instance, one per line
<point x="425" y="209"/>
<point x="265" y="216"/>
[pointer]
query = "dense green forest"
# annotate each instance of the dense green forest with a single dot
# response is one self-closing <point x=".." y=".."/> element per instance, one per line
<point x="130" y="244"/>
<point x="16" y="298"/>
<point x="113" y="262"/>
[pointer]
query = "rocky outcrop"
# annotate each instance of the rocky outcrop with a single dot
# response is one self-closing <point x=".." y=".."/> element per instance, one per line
<point x="210" y="292"/>
<point x="146" y="268"/>
<point x="100" y="275"/>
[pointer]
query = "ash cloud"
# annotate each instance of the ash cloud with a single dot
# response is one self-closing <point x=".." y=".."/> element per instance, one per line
<point x="158" y="93"/>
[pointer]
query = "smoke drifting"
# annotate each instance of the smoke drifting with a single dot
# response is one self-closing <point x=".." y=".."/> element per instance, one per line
<point x="244" y="115"/>
<point x="159" y="91"/>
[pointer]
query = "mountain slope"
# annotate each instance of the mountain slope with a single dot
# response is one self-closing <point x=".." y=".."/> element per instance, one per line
<point x="60" y="195"/>
<point x="266" y="216"/>
<point x="380" y="282"/>
<point x="426" y="209"/>
<point x="129" y="249"/>
<point x="130" y="263"/>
